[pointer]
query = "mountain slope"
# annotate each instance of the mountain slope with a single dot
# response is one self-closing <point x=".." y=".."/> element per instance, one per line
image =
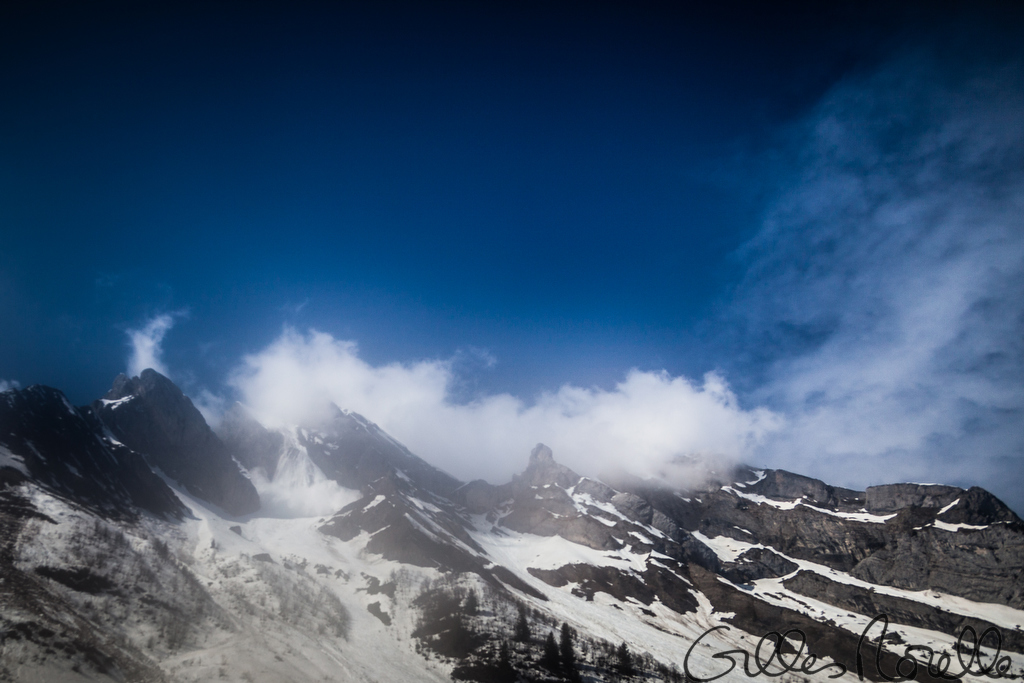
<point x="416" y="576"/>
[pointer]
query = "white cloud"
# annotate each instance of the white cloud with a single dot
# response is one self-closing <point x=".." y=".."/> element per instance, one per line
<point x="640" y="425"/>
<point x="299" y="489"/>
<point x="145" y="344"/>
<point x="888" y="282"/>
<point x="210" y="405"/>
<point x="6" y="385"/>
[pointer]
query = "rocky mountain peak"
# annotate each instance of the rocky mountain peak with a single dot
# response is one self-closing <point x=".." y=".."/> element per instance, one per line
<point x="152" y="416"/>
<point x="150" y="383"/>
<point x="64" y="448"/>
<point x="542" y="470"/>
<point x="121" y="387"/>
<point x="541" y="455"/>
<point x="353" y="451"/>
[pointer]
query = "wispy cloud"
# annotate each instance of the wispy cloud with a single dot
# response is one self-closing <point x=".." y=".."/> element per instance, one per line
<point x="211" y="405"/>
<point x="885" y="288"/>
<point x="647" y="420"/>
<point x="6" y="385"/>
<point x="145" y="343"/>
<point x="295" y="308"/>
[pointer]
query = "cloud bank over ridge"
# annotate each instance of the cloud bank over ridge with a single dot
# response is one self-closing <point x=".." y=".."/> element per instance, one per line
<point x="648" y="419"/>
<point x="880" y="317"/>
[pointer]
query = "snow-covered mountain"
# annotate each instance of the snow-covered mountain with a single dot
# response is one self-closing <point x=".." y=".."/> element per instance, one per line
<point x="138" y="544"/>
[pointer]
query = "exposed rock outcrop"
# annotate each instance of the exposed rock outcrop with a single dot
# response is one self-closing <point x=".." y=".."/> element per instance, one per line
<point x="543" y="470"/>
<point x="783" y="485"/>
<point x="908" y="536"/>
<point x="899" y="610"/>
<point x="895" y="497"/>
<point x="65" y="449"/>
<point x="150" y="415"/>
<point x="985" y="565"/>
<point x="758" y="563"/>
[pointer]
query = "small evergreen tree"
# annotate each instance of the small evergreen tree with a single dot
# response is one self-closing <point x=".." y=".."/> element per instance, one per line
<point x="458" y="641"/>
<point x="506" y="672"/>
<point x="625" y="660"/>
<point x="568" y="656"/>
<point x="522" y="631"/>
<point x="550" y="660"/>
<point x="470" y="606"/>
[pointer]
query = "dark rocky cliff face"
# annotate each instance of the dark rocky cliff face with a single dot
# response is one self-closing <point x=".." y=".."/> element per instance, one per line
<point x="149" y="414"/>
<point x="65" y="449"/>
<point x="910" y="536"/>
<point x="785" y="485"/>
<point x="895" y="497"/>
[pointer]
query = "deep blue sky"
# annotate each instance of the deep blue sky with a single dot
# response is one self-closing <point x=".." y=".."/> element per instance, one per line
<point x="562" y="185"/>
<point x="551" y="182"/>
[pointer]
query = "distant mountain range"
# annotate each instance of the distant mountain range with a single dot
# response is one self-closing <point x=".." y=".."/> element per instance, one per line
<point x="138" y="544"/>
